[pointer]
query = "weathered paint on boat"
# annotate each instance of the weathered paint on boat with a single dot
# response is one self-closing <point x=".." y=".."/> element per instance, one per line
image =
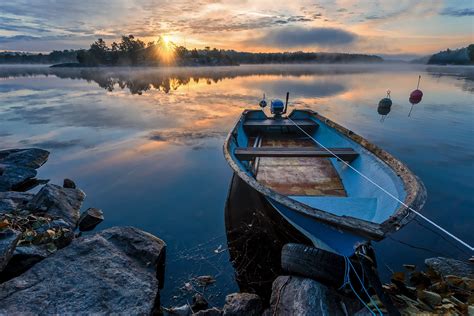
<point x="339" y="230"/>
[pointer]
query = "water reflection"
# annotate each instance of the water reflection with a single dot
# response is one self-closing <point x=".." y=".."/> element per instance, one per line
<point x="155" y="160"/>
<point x="464" y="76"/>
<point x="255" y="237"/>
<point x="383" y="111"/>
<point x="140" y="80"/>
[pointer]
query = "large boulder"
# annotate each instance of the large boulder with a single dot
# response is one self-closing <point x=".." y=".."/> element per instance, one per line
<point x="447" y="266"/>
<point x="18" y="167"/>
<point x="58" y="202"/>
<point x="8" y="241"/>
<point x="299" y="296"/>
<point x="23" y="258"/>
<point x="116" y="271"/>
<point x="243" y="304"/>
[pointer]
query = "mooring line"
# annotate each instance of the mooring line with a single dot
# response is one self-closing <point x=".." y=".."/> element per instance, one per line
<point x="465" y="244"/>
<point x="347" y="281"/>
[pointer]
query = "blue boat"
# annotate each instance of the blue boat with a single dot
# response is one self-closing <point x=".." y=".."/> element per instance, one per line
<point x="332" y="185"/>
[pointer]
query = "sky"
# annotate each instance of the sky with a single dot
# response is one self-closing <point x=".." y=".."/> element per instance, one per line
<point x="386" y="27"/>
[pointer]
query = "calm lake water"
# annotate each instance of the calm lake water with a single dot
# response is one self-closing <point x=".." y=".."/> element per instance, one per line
<point x="146" y="146"/>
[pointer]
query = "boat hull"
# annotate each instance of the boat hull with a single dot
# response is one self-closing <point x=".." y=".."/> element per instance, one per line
<point x="322" y="236"/>
<point x="341" y="234"/>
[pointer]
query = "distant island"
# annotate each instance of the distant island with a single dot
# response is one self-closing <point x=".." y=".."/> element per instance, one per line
<point x="461" y="56"/>
<point x="131" y="51"/>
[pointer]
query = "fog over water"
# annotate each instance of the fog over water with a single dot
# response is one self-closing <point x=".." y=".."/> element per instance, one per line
<point x="146" y="145"/>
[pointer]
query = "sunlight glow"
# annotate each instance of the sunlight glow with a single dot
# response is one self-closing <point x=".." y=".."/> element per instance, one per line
<point x="165" y="49"/>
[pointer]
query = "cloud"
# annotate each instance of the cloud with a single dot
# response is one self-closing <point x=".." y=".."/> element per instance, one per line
<point x="16" y="38"/>
<point x="293" y="37"/>
<point x="458" y="12"/>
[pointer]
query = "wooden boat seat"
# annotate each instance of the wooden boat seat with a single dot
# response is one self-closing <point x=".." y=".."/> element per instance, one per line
<point x="253" y="125"/>
<point x="249" y="153"/>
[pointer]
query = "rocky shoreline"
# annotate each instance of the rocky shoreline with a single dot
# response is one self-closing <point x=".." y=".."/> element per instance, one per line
<point x="48" y="266"/>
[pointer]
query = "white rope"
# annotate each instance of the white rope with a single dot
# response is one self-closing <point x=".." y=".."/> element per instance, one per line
<point x="385" y="191"/>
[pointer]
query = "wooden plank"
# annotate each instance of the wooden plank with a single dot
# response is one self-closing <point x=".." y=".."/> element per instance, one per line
<point x="280" y="123"/>
<point x="249" y="153"/>
<point x="307" y="176"/>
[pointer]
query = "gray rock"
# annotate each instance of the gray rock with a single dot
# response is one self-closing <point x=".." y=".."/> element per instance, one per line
<point x="7" y="206"/>
<point x="242" y="304"/>
<point x="90" y="218"/>
<point x="18" y="167"/>
<point x="23" y="258"/>
<point x="14" y="176"/>
<point x="11" y="201"/>
<point x="114" y="271"/>
<point x="8" y="241"/>
<point x="29" y="157"/>
<point x="69" y="184"/>
<point x="447" y="266"/>
<point x="430" y="298"/>
<point x="58" y="202"/>
<point x="299" y="296"/>
<point x="209" y="312"/>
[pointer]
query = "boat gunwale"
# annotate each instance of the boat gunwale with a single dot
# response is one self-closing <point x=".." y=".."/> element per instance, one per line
<point x="415" y="197"/>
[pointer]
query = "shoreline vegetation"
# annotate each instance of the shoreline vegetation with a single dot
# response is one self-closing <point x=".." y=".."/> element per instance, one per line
<point x="131" y="51"/>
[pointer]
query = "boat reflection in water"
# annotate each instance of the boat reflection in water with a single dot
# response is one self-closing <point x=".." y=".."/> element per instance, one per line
<point x="255" y="237"/>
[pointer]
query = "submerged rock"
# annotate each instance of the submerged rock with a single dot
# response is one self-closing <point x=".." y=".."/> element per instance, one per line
<point x="90" y="218"/>
<point x="205" y="280"/>
<point x="448" y="266"/>
<point x="8" y="241"/>
<point x="209" y="312"/>
<point x="242" y="304"/>
<point x="58" y="202"/>
<point x="17" y="167"/>
<point x="199" y="303"/>
<point x="184" y="310"/>
<point x="299" y="296"/>
<point x="114" y="271"/>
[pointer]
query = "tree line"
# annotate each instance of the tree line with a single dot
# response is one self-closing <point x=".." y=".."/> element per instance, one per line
<point x="131" y="51"/>
<point x="461" y="56"/>
<point x="65" y="56"/>
<point x="134" y="52"/>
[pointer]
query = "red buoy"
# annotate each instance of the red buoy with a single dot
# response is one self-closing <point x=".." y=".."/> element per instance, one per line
<point x="415" y="95"/>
